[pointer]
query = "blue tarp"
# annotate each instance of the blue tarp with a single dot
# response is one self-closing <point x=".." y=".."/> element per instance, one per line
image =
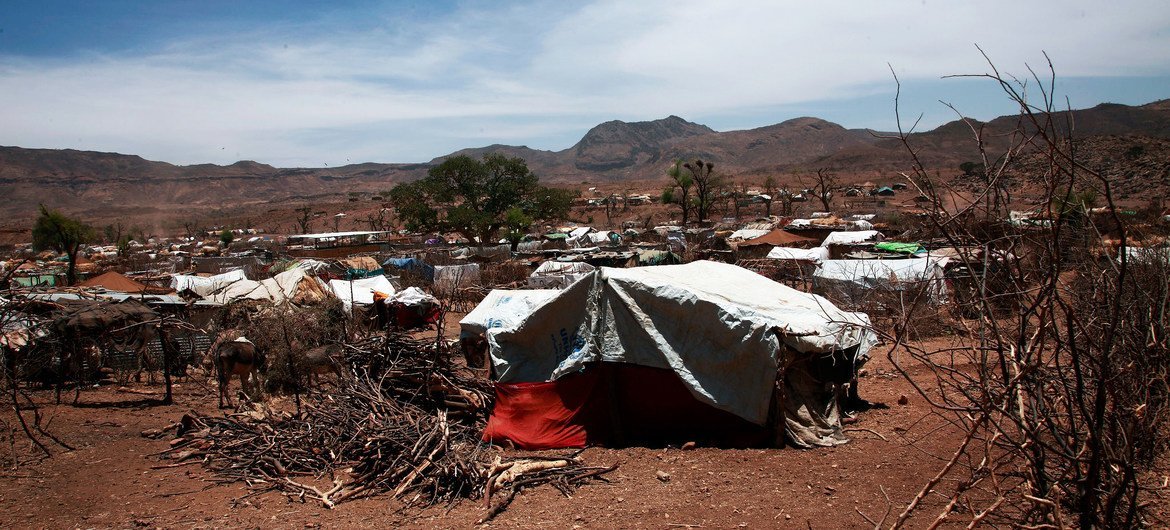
<point x="414" y="265"/>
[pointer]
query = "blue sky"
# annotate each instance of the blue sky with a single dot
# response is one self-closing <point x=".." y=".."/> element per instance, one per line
<point x="315" y="83"/>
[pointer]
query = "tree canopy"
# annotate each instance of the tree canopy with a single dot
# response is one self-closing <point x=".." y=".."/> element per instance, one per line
<point x="477" y="198"/>
<point x="57" y="231"/>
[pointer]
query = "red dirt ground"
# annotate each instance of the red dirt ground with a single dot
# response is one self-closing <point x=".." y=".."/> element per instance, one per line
<point x="112" y="479"/>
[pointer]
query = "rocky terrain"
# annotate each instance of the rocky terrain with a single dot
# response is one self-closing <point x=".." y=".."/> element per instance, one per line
<point x="104" y="185"/>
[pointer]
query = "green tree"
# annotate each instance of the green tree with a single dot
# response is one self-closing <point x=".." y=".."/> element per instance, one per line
<point x="472" y="197"/>
<point x="226" y="237"/>
<point x="54" y="230"/>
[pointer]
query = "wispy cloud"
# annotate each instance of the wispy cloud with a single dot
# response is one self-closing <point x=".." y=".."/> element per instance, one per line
<point x="370" y="86"/>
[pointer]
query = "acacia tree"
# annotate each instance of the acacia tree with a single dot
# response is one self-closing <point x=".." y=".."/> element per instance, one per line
<point x="304" y="218"/>
<point x="54" y="230"/>
<point x="473" y="197"/>
<point x="707" y="185"/>
<point x="826" y="181"/>
<point x="683" y="181"/>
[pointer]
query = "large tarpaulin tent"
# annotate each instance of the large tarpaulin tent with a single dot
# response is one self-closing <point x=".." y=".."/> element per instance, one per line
<point x="704" y="340"/>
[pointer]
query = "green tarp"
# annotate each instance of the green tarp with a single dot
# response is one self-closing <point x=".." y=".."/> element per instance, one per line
<point x="903" y="248"/>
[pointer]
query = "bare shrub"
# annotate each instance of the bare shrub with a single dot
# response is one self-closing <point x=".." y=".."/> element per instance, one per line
<point x="508" y="274"/>
<point x="1062" y="398"/>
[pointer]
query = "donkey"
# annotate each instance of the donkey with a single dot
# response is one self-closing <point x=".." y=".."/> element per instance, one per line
<point x="234" y="357"/>
<point x="323" y="360"/>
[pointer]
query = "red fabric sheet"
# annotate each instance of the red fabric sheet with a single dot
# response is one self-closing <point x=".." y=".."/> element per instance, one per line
<point x="653" y="407"/>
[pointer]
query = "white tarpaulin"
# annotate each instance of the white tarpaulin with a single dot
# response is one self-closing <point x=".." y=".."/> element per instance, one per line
<point x="854" y="277"/>
<point x="490" y="252"/>
<point x="722" y="329"/>
<point x="745" y="234"/>
<point x="276" y="289"/>
<point x="850" y="238"/>
<point x="413" y="296"/>
<point x="449" y="277"/>
<point x="815" y="254"/>
<point x="205" y="285"/>
<point x="361" y="291"/>
<point x="504" y="309"/>
<point x="558" y="274"/>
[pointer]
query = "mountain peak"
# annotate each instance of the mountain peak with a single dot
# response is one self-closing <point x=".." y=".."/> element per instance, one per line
<point x="617" y="144"/>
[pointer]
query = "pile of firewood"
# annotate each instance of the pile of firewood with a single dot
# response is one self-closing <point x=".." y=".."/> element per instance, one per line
<point x="404" y="421"/>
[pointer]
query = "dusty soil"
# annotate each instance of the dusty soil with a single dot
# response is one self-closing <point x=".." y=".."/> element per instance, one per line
<point x="114" y="479"/>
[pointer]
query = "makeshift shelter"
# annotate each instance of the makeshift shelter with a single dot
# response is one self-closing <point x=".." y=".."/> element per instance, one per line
<point x="746" y="234"/>
<point x="658" y="257"/>
<point x="412" y="265"/>
<point x="812" y="255"/>
<point x="759" y="246"/>
<point x="558" y="274"/>
<point x="451" y="277"/>
<point x="409" y="308"/>
<point x="360" y="292"/>
<point x="485" y="253"/>
<point x="205" y="285"/>
<point x="679" y="351"/>
<point x="114" y="281"/>
<point x="852" y="238"/>
<point x="293" y="284"/>
<point x="852" y="281"/>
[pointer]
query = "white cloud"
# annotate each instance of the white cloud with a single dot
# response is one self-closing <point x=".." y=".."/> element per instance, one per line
<point x="528" y="73"/>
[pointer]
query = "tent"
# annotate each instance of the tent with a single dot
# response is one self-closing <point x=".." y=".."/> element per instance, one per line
<point x="747" y="234"/>
<point x="451" y="277"/>
<point x="414" y="265"/>
<point x="558" y="274"/>
<point x="658" y="257"/>
<point x="205" y="285"/>
<point x="293" y="284"/>
<point x="361" y="291"/>
<point x="814" y="255"/>
<point x="778" y="238"/>
<point x="677" y="350"/>
<point x="851" y="280"/>
<point x="852" y="238"/>
<point x="410" y="308"/>
<point x="114" y="281"/>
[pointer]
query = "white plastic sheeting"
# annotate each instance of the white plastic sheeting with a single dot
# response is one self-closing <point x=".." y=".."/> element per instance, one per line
<point x="745" y="234"/>
<point x="449" y="277"/>
<point x="558" y="274"/>
<point x="723" y="329"/>
<point x="361" y="291"/>
<point x="276" y="289"/>
<point x="504" y="309"/>
<point x="205" y="285"/>
<point x="815" y="254"/>
<point x="413" y="296"/>
<point x="853" y="277"/>
<point x="850" y="238"/>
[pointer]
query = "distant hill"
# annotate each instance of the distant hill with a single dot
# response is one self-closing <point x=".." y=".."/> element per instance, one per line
<point x="90" y="182"/>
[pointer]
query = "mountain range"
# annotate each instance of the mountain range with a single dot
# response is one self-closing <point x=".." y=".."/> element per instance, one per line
<point x="93" y="183"/>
